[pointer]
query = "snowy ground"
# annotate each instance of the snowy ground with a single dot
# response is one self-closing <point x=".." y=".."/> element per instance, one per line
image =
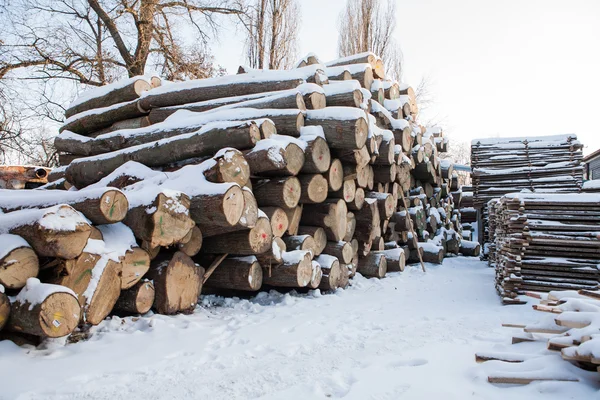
<point x="412" y="335"/>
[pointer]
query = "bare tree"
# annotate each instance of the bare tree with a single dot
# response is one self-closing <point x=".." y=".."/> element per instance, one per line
<point x="368" y="25"/>
<point x="271" y="33"/>
<point x="50" y="48"/>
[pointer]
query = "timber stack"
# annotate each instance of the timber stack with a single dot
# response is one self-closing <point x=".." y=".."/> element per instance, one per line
<point x="293" y="179"/>
<point x="550" y="164"/>
<point x="545" y="242"/>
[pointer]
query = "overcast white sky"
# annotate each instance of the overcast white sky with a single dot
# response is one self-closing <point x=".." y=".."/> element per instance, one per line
<point x="496" y="67"/>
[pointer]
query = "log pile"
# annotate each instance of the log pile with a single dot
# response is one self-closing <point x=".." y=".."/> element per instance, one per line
<point x="266" y="179"/>
<point x="545" y="242"/>
<point x="538" y="164"/>
<point x="568" y="327"/>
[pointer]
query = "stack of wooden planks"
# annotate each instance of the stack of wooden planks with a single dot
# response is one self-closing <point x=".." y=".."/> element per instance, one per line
<point x="569" y="329"/>
<point x="545" y="242"/>
<point x="293" y="179"/>
<point x="538" y="164"/>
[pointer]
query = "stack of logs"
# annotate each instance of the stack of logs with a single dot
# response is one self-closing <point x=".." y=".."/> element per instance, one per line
<point x="545" y="242"/>
<point x="287" y="179"/>
<point x="537" y="164"/>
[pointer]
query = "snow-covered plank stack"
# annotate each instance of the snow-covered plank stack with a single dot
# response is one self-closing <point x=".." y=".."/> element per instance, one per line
<point x="545" y="242"/>
<point x="284" y="179"/>
<point x="540" y="164"/>
<point x="569" y="329"/>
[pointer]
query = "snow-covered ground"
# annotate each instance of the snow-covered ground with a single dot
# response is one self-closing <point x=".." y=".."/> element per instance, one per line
<point x="411" y="336"/>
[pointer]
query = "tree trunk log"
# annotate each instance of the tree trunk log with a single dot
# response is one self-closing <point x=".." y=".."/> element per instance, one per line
<point x="395" y="259"/>
<point x="103" y="290"/>
<point x="206" y="142"/>
<point x="137" y="299"/>
<point x="237" y="273"/>
<point x="129" y="92"/>
<point x="294" y="215"/>
<point x="248" y="242"/>
<point x="246" y="221"/>
<point x="230" y="166"/>
<point x="300" y="242"/>
<point x="100" y="118"/>
<point x="313" y="189"/>
<point x="343" y="134"/>
<point x="342" y="250"/>
<point x="18" y="262"/>
<point x="294" y="271"/>
<point x="4" y="310"/>
<point x="192" y="246"/>
<point x="329" y="216"/>
<point x="332" y="272"/>
<point x="135" y="264"/>
<point x="276" y="160"/>
<point x="284" y="192"/>
<point x="177" y="283"/>
<point x="335" y="175"/>
<point x="132" y="123"/>
<point x="372" y="265"/>
<point x="317" y="156"/>
<point x="165" y="224"/>
<point x="318" y="234"/>
<point x="279" y="220"/>
<point x="55" y="315"/>
<point x="347" y="192"/>
<point x="35" y="226"/>
<point x="317" y="276"/>
<point x="385" y="203"/>
<point x="274" y="255"/>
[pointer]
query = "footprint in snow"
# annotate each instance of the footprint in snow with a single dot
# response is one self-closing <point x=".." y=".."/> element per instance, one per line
<point x="415" y="362"/>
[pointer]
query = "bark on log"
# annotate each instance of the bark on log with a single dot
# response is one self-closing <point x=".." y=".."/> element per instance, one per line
<point x="350" y="98"/>
<point x="101" y="206"/>
<point x="314" y="101"/>
<point x="433" y="256"/>
<point x="470" y="250"/>
<point x="350" y="229"/>
<point x="54" y="315"/>
<point x="206" y="142"/>
<point x="4" y="310"/>
<point x="294" y="271"/>
<point x="342" y="250"/>
<point x="367" y="222"/>
<point x="18" y="262"/>
<point x="36" y="227"/>
<point x="318" y="234"/>
<point x="329" y="216"/>
<point x="74" y="274"/>
<point x="313" y="188"/>
<point x="129" y="92"/>
<point x="177" y="283"/>
<point x="276" y="160"/>
<point x="317" y="156"/>
<point x="100" y="118"/>
<point x="247" y="220"/>
<point x="344" y="134"/>
<point x="300" y="242"/>
<point x="361" y="157"/>
<point x="274" y="255"/>
<point x="332" y="272"/>
<point x="237" y="273"/>
<point x="133" y="123"/>
<point x="220" y="209"/>
<point x="137" y="299"/>
<point x="284" y="192"/>
<point x="222" y="88"/>
<point x="165" y="224"/>
<point x="372" y="265"/>
<point x="103" y="290"/>
<point x="279" y="220"/>
<point x="248" y="242"/>
<point x="395" y="259"/>
<point x="385" y="203"/>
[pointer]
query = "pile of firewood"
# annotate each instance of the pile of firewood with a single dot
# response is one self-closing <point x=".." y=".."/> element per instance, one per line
<point x="538" y="164"/>
<point x="569" y="329"/>
<point x="286" y="179"/>
<point x="545" y="242"/>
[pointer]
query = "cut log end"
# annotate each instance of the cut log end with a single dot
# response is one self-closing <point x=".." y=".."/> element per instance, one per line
<point x="17" y="266"/>
<point x="135" y="264"/>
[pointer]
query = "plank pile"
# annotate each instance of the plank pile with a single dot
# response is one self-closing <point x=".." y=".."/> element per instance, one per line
<point x="569" y="331"/>
<point x="545" y="242"/>
<point x="538" y="164"/>
<point x="266" y="179"/>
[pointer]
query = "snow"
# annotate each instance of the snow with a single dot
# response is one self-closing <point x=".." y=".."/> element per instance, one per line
<point x="10" y="242"/>
<point x="97" y="272"/>
<point x="557" y="139"/>
<point x="36" y="292"/>
<point x="311" y="132"/>
<point x="412" y="335"/>
<point x="1" y="289"/>
<point x="396" y="123"/>
<point x="60" y="218"/>
<point x="118" y="238"/>
<point x="340" y="61"/>
<point x="595" y="184"/>
<point x="337" y="87"/>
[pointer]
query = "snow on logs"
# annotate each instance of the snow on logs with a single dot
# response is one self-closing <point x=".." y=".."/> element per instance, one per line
<point x="289" y="179"/>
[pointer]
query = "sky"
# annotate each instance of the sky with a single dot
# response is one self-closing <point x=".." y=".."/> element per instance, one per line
<point x="494" y="67"/>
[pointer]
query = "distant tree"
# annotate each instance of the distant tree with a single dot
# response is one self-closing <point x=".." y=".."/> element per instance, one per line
<point x="271" y="33"/>
<point x="368" y="25"/>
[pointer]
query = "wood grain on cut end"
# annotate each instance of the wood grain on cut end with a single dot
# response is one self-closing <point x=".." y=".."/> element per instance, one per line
<point x="135" y="264"/>
<point x="335" y="175"/>
<point x="17" y="266"/>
